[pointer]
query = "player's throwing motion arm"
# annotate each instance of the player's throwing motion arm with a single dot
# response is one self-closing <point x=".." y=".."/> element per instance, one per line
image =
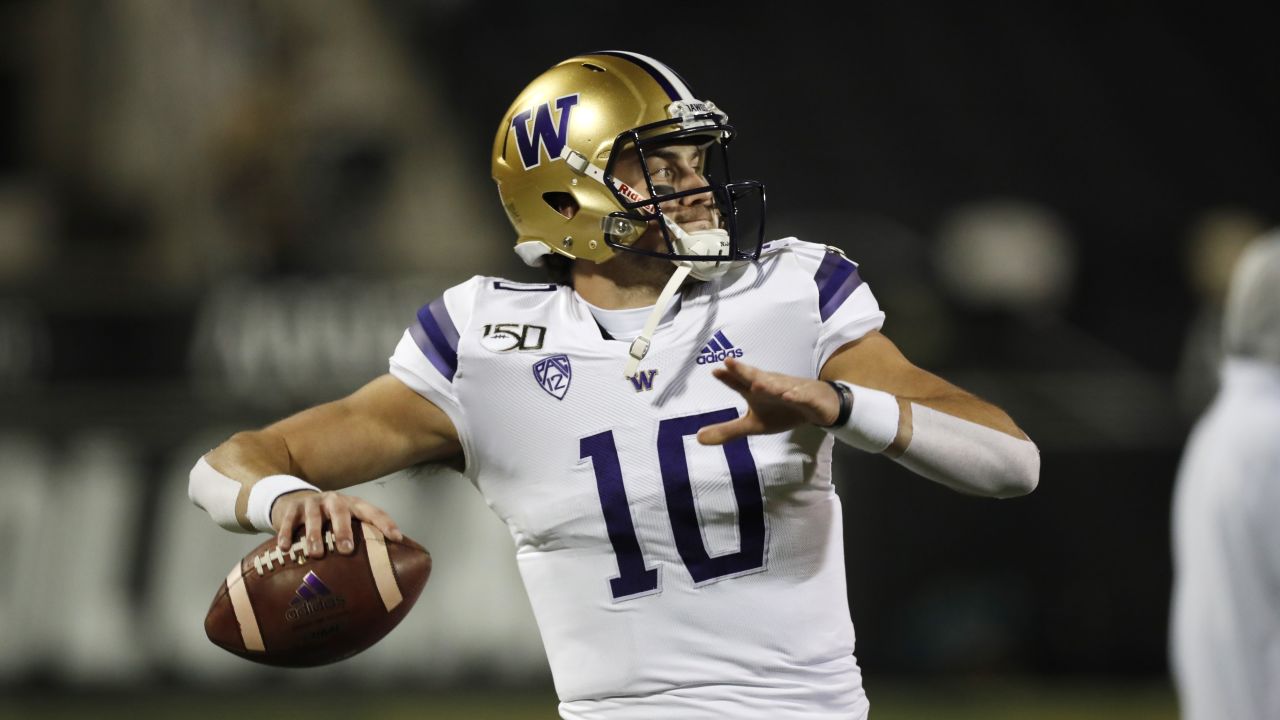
<point x="890" y="406"/>
<point x="382" y="427"/>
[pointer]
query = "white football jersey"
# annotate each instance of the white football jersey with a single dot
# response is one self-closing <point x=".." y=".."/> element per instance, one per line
<point x="669" y="579"/>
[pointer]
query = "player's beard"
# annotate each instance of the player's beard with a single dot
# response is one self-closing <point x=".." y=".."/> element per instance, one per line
<point x="630" y="270"/>
<point x="633" y="271"/>
<point x="642" y="277"/>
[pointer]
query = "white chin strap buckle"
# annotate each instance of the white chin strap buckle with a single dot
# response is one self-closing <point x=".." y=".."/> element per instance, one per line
<point x="639" y="348"/>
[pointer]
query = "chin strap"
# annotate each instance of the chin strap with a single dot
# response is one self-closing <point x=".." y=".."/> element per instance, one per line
<point x="711" y="243"/>
<point x="640" y="346"/>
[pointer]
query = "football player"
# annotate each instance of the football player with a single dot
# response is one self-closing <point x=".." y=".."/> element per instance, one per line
<point x="656" y="427"/>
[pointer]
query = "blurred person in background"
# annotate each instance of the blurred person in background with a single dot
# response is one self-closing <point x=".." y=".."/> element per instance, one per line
<point x="669" y="578"/>
<point x="1213" y="246"/>
<point x="1226" y="541"/>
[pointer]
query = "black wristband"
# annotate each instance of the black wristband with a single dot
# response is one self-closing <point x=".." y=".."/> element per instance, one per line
<point x="846" y="404"/>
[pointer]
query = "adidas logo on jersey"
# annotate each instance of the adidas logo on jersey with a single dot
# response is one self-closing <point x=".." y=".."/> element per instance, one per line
<point x="717" y="349"/>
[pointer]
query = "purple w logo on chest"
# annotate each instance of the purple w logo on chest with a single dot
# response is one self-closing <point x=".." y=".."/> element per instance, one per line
<point x="642" y="380"/>
<point x="553" y="375"/>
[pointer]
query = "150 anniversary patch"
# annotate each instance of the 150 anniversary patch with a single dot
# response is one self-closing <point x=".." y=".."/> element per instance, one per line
<point x="513" y="337"/>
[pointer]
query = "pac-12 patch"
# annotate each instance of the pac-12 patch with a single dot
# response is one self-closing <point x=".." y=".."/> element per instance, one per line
<point x="553" y="374"/>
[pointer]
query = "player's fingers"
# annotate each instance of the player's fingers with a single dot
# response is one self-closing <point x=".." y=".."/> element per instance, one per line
<point x="339" y="513"/>
<point x="755" y="380"/>
<point x="740" y="369"/>
<point x="754" y="383"/>
<point x="380" y="519"/>
<point x="721" y="433"/>
<point x="315" y="525"/>
<point x="288" y="521"/>
<point x="733" y="381"/>
<point x="771" y="384"/>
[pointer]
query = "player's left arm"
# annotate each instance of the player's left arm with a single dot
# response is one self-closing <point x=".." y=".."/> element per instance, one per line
<point x="874" y="361"/>
<point x="915" y="417"/>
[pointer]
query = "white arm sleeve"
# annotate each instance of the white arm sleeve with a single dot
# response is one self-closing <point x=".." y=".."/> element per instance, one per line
<point x="216" y="494"/>
<point x="963" y="455"/>
<point x="969" y="457"/>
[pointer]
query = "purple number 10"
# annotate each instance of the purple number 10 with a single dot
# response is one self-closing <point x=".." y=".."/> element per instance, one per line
<point x="634" y="578"/>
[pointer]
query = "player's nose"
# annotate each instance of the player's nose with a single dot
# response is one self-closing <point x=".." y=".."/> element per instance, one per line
<point x="695" y="183"/>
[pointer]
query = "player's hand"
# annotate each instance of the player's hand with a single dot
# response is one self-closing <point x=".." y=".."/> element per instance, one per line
<point x="775" y="402"/>
<point x="311" y="509"/>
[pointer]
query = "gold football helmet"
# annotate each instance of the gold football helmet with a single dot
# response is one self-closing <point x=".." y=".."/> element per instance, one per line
<point x="562" y="138"/>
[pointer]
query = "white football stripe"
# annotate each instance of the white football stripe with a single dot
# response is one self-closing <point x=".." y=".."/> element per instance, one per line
<point x="380" y="564"/>
<point x="250" y="633"/>
<point x="667" y="73"/>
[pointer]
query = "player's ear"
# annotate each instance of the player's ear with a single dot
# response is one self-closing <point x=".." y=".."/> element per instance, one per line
<point x="563" y="202"/>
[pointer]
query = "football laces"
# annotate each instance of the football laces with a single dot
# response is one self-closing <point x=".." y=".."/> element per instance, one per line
<point x="297" y="553"/>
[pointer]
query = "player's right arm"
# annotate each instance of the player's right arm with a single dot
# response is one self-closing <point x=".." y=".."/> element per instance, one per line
<point x="379" y="429"/>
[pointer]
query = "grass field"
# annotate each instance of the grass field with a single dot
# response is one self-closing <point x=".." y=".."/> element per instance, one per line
<point x="890" y="700"/>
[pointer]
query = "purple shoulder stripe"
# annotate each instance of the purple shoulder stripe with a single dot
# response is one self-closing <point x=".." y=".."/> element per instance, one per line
<point x="837" y="278"/>
<point x="437" y="337"/>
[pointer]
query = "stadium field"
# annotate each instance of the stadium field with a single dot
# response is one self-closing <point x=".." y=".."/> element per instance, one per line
<point x="907" y="699"/>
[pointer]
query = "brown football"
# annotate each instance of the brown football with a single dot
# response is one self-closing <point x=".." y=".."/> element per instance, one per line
<point x="287" y="609"/>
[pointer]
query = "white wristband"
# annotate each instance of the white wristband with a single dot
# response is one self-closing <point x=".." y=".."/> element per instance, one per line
<point x="873" y="422"/>
<point x="263" y="495"/>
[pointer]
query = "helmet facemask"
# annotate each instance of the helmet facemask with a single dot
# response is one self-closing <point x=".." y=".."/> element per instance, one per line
<point x="736" y="209"/>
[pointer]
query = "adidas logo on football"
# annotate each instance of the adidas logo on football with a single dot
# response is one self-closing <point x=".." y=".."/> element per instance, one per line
<point x="311" y="597"/>
<point x="717" y="349"/>
<point x="311" y="588"/>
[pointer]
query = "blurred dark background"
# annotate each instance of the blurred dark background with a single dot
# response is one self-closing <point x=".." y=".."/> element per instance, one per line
<point x="216" y="213"/>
